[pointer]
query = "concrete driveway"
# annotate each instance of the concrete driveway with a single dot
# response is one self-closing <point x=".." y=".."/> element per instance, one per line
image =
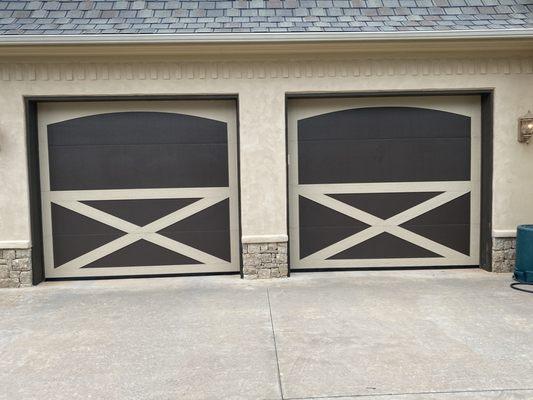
<point x="402" y="335"/>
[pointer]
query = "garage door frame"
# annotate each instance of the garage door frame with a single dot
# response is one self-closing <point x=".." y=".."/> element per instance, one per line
<point x="485" y="234"/>
<point x="32" y="147"/>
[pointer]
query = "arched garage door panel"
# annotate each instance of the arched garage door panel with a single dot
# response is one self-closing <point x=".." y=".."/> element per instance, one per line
<point x="390" y="182"/>
<point x="384" y="144"/>
<point x="128" y="150"/>
<point x="145" y="189"/>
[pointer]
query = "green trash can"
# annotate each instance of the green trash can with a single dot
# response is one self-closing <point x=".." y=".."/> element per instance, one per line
<point x="524" y="254"/>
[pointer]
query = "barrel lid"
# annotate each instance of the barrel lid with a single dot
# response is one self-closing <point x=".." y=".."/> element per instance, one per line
<point x="527" y="227"/>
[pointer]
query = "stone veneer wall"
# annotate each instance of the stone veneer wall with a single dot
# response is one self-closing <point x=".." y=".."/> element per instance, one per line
<point x="260" y="261"/>
<point x="265" y="260"/>
<point x="15" y="268"/>
<point x="503" y="254"/>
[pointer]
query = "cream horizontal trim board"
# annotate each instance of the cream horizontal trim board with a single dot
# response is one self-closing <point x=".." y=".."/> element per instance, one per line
<point x="145" y="270"/>
<point x="389" y="187"/>
<point x="265" y="238"/>
<point x="497" y="233"/>
<point x="14" y="244"/>
<point x="286" y="37"/>
<point x="346" y="67"/>
<point x="387" y="262"/>
<point x="125" y="194"/>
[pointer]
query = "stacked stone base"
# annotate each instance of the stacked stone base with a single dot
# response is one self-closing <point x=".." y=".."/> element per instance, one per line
<point x="260" y="261"/>
<point x="15" y="268"/>
<point x="265" y="260"/>
<point x="503" y="254"/>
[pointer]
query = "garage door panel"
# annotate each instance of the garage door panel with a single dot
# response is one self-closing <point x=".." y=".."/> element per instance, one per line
<point x="384" y="245"/>
<point x="140" y="212"/>
<point x="215" y="217"/>
<point x="138" y="166"/>
<point x="207" y="230"/>
<point x="136" y="128"/>
<point x="454" y="236"/>
<point x="409" y="160"/>
<point x="215" y="243"/>
<point x="448" y="224"/>
<point x="141" y="254"/>
<point x="70" y="247"/>
<point x="68" y="222"/>
<point x="139" y="192"/>
<point x="384" y="123"/>
<point x="384" y="205"/>
<point x="407" y="174"/>
<point x="313" y="214"/>
<point x="75" y="234"/>
<point x="320" y="226"/>
<point x="456" y="211"/>
<point x="315" y="239"/>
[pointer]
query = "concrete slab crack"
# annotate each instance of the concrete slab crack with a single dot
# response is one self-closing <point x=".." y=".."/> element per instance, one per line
<point x="275" y="345"/>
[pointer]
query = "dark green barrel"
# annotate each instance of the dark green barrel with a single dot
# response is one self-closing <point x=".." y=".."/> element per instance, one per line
<point x="524" y="254"/>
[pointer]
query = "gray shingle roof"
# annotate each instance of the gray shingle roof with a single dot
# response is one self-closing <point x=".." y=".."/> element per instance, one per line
<point x="186" y="16"/>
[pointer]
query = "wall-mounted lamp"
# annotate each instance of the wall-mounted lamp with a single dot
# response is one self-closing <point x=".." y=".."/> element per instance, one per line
<point x="525" y="128"/>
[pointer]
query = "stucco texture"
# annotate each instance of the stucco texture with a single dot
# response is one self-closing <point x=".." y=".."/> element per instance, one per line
<point x="262" y="83"/>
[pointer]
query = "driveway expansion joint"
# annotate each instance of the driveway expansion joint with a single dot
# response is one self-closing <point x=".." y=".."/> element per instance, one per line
<point x="275" y="345"/>
<point x="430" y="393"/>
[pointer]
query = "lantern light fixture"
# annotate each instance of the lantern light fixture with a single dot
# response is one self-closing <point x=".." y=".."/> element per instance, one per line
<point x="525" y="128"/>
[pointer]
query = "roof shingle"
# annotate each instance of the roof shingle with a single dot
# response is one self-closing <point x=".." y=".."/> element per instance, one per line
<point x="157" y="16"/>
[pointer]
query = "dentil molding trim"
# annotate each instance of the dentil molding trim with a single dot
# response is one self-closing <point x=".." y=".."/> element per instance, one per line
<point x="340" y="68"/>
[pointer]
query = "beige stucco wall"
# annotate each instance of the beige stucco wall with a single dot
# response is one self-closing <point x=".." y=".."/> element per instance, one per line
<point x="262" y="84"/>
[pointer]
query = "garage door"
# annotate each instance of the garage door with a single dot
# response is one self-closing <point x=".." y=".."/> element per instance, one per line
<point x="138" y="188"/>
<point x="384" y="182"/>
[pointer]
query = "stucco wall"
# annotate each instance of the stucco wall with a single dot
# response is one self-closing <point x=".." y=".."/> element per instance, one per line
<point x="262" y="84"/>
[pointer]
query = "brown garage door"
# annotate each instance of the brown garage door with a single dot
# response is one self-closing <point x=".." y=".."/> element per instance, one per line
<point x="138" y="188"/>
<point x="384" y="182"/>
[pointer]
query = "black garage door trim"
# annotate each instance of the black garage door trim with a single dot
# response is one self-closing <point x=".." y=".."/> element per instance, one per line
<point x="31" y="104"/>
<point x="486" y="97"/>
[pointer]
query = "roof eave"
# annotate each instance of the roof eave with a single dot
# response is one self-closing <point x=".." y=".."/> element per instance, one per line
<point x="270" y="37"/>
